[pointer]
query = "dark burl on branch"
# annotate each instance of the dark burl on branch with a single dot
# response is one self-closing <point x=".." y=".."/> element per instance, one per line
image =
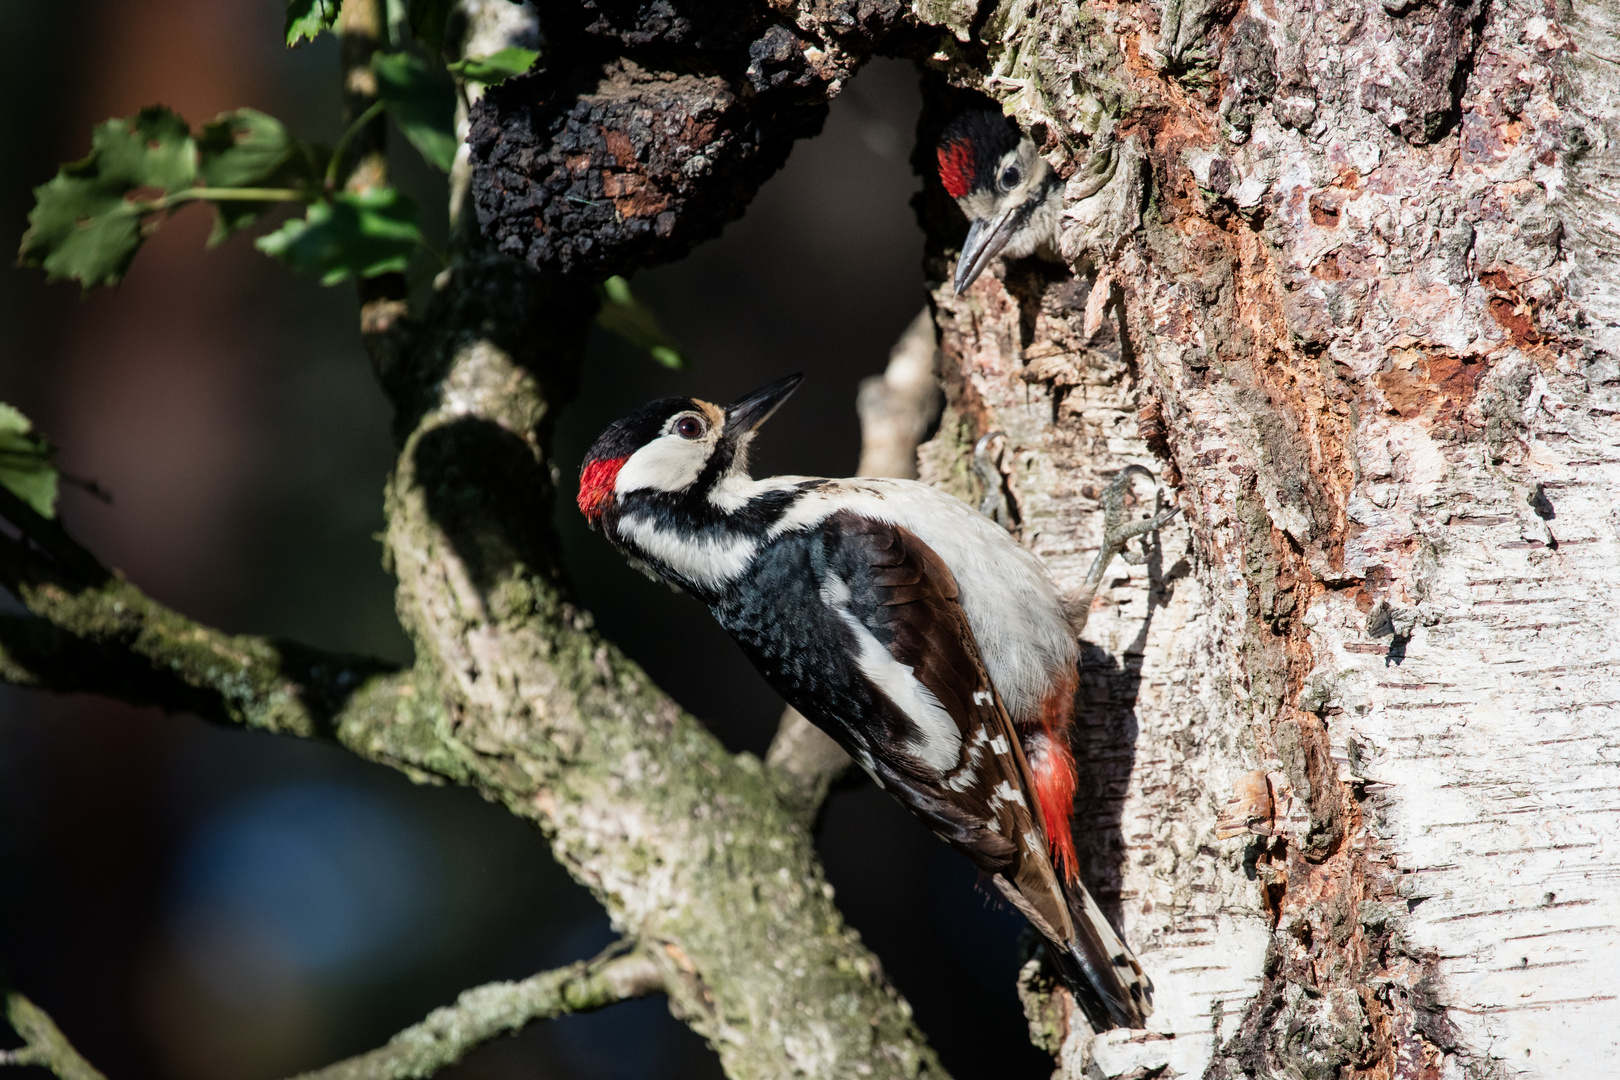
<point x="650" y="124"/>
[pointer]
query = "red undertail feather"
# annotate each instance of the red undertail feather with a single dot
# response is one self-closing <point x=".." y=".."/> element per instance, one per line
<point x="1053" y="768"/>
<point x="956" y="167"/>
<point x="596" y="485"/>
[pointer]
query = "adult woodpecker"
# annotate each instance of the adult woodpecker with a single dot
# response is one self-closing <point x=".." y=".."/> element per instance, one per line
<point x="1009" y="193"/>
<point x="907" y="626"/>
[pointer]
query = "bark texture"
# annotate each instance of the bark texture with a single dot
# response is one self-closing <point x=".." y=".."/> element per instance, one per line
<point x="1350" y="278"/>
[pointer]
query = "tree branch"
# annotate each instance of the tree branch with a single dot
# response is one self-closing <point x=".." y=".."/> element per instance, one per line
<point x="689" y="848"/>
<point x="488" y="1012"/>
<point x="900" y="406"/>
<point x="90" y="631"/>
<point x="43" y="1042"/>
<point x="805" y="761"/>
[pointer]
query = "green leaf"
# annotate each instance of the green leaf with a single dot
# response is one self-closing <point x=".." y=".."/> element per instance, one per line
<point x="87" y="221"/>
<point x="25" y="462"/>
<point x="496" y="67"/>
<point x="307" y="18"/>
<point x="355" y="234"/>
<point x="153" y="148"/>
<point x="427" y="19"/>
<point x="246" y="148"/>
<point x="423" y="101"/>
<point x="622" y="314"/>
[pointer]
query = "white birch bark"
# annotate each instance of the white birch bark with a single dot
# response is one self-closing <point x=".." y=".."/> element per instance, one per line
<point x="1366" y="262"/>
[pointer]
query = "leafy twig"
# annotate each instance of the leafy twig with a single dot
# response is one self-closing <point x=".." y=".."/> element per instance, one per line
<point x="335" y="163"/>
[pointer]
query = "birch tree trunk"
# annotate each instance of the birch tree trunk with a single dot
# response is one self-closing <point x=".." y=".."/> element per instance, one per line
<point x="1352" y="290"/>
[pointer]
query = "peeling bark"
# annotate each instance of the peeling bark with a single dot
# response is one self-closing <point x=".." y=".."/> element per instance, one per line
<point x="1362" y="259"/>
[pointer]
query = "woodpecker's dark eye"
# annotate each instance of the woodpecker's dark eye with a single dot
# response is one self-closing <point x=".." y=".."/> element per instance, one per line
<point x="1010" y="177"/>
<point x="690" y="427"/>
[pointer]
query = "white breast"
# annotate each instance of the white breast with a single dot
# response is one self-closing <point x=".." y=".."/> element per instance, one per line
<point x="1010" y="602"/>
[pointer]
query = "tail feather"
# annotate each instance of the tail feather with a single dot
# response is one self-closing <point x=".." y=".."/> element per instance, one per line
<point x="1100" y="970"/>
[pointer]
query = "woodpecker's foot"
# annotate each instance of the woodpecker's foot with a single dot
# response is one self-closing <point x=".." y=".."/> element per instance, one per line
<point x="987" y="467"/>
<point x="1117" y="532"/>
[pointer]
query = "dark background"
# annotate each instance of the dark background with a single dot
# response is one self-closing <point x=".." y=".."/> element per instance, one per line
<point x="198" y="903"/>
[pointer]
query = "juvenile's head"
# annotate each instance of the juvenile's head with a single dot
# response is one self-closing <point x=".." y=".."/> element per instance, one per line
<point x="674" y="446"/>
<point x="1003" y="186"/>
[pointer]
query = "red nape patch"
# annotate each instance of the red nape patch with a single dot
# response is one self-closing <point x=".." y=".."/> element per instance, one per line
<point x="596" y="485"/>
<point x="956" y="167"/>
<point x="1053" y="768"/>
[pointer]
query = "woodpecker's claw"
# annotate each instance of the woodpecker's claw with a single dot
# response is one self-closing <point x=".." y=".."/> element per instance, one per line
<point x="1117" y="533"/>
<point x="987" y="468"/>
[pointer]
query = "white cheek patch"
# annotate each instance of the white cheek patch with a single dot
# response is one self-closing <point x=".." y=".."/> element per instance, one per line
<point x="978" y="204"/>
<point x="668" y="463"/>
<point x="937" y="742"/>
<point x="709" y="562"/>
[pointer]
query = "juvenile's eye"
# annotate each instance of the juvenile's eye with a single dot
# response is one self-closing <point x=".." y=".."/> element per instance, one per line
<point x="1010" y="177"/>
<point x="690" y="427"/>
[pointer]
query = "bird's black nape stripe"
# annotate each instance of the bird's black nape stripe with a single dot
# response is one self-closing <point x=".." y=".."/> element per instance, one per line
<point x="719" y="463"/>
<point x="690" y="509"/>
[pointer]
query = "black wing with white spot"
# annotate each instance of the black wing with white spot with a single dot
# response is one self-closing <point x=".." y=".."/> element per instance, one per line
<point x="959" y="765"/>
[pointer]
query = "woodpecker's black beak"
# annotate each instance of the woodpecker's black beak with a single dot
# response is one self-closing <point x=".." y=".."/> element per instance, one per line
<point x="985" y="239"/>
<point x="746" y="415"/>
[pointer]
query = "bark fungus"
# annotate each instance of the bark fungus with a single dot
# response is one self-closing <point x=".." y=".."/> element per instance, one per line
<point x="648" y="126"/>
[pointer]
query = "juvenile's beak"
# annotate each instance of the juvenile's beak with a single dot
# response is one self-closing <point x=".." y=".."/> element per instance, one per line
<point x="746" y="415"/>
<point x="985" y="239"/>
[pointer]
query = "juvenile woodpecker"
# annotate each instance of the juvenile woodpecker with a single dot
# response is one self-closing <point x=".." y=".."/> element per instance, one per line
<point x="907" y="626"/>
<point x="1007" y="190"/>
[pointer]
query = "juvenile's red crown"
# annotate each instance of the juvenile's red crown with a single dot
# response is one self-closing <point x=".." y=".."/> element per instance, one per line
<point x="956" y="167"/>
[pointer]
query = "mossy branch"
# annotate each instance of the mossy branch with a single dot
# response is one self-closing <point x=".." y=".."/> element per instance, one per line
<point x="488" y="1012"/>
<point x="90" y="631"/>
<point x="43" y="1042"/>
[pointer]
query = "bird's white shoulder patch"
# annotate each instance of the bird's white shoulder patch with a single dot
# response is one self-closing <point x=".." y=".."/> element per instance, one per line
<point x="936" y="742"/>
<point x="708" y="561"/>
